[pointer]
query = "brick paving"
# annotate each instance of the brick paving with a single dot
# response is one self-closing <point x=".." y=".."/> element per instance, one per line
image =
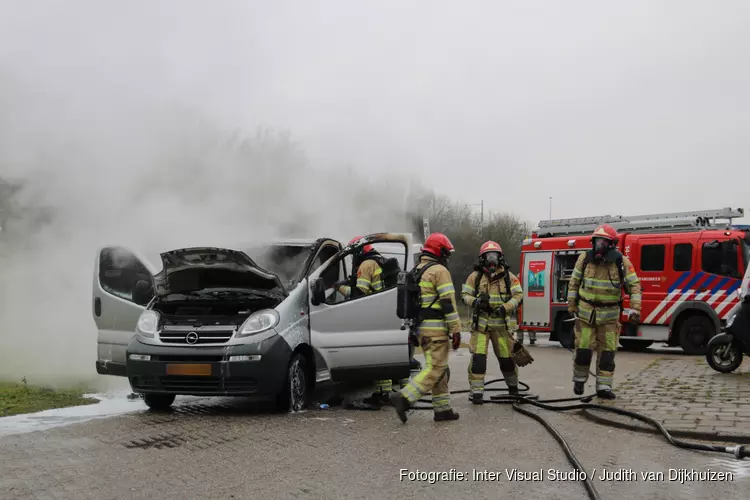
<point x="687" y="397"/>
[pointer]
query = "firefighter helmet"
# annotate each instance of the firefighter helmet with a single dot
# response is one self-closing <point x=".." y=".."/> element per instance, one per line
<point x="490" y="256"/>
<point x="438" y="245"/>
<point x="490" y="246"/>
<point x="366" y="248"/>
<point x="605" y="231"/>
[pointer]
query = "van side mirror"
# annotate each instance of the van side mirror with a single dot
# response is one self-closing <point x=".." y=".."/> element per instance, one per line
<point x="142" y="293"/>
<point x="317" y="292"/>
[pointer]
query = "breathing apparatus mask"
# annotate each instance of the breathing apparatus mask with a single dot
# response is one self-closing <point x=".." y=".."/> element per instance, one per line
<point x="601" y="246"/>
<point x="491" y="261"/>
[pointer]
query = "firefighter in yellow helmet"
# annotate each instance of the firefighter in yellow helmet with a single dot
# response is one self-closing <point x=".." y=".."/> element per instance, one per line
<point x="438" y="321"/>
<point x="494" y="293"/>
<point x="595" y="296"/>
<point x="368" y="265"/>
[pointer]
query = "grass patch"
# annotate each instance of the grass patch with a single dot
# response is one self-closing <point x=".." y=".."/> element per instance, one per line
<point x="18" y="398"/>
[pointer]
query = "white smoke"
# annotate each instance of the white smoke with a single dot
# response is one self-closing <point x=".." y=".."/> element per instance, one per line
<point x="152" y="176"/>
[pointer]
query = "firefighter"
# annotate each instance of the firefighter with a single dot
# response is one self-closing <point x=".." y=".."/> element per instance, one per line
<point x="494" y="294"/>
<point x="438" y="322"/>
<point x="367" y="263"/>
<point x="532" y="336"/>
<point x="595" y="299"/>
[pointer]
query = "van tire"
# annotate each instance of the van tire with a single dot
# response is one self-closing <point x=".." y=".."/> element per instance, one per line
<point x="695" y="332"/>
<point x="158" y="402"/>
<point x="295" y="395"/>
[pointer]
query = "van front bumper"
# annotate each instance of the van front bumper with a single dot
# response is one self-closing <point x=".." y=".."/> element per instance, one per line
<point x="210" y="371"/>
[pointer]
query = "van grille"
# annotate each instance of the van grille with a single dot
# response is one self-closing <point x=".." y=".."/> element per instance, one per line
<point x="201" y="335"/>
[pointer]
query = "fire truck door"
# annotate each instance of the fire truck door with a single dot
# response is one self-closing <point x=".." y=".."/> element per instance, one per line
<point x="653" y="261"/>
<point x="537" y="290"/>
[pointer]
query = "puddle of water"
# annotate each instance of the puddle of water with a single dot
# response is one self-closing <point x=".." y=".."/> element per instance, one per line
<point x="110" y="404"/>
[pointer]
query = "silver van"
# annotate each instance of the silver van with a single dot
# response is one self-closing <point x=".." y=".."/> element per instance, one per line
<point x="265" y="321"/>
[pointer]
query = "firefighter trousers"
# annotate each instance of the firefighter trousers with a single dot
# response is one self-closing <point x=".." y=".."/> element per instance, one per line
<point x="383" y="386"/>
<point x="435" y="374"/>
<point x="601" y="339"/>
<point x="502" y="342"/>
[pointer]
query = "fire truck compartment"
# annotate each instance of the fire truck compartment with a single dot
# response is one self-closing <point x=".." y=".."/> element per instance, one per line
<point x="537" y="289"/>
<point x="564" y="264"/>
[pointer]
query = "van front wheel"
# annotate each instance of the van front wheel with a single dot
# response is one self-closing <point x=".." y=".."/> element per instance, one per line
<point x="295" y="395"/>
<point x="159" y="402"/>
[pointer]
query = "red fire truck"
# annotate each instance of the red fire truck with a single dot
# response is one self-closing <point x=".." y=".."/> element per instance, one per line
<point x="690" y="269"/>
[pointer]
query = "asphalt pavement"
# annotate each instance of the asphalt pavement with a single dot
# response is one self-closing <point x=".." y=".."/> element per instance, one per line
<point x="218" y="448"/>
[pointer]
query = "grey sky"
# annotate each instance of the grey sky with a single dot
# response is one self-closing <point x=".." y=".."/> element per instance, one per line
<point x="109" y="109"/>
<point x="503" y="101"/>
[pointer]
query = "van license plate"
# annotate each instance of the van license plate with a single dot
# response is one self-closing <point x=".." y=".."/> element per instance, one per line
<point x="190" y="369"/>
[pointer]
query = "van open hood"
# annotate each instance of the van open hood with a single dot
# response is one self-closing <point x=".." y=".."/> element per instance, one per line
<point x="192" y="269"/>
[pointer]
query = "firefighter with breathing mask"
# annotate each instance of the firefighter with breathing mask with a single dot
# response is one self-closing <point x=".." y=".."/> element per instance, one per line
<point x="438" y="321"/>
<point x="493" y="293"/>
<point x="595" y="293"/>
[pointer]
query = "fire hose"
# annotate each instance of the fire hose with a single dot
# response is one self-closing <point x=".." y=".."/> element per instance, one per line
<point x="584" y="403"/>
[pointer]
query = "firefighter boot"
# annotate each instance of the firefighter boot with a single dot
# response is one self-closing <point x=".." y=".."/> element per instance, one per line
<point x="441" y="416"/>
<point x="377" y="399"/>
<point x="578" y="388"/>
<point x="606" y="393"/>
<point x="400" y="404"/>
<point x="477" y="398"/>
<point x="513" y="390"/>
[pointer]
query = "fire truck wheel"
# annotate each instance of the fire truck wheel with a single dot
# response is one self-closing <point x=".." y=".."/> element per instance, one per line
<point x="564" y="332"/>
<point x="635" y="345"/>
<point x="695" y="332"/>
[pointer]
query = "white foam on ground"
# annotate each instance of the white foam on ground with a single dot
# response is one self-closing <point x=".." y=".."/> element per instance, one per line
<point x="109" y="405"/>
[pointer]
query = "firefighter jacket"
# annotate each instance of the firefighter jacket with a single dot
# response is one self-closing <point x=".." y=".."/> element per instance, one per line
<point x="368" y="279"/>
<point x="438" y="297"/>
<point x="596" y="292"/>
<point x="500" y="296"/>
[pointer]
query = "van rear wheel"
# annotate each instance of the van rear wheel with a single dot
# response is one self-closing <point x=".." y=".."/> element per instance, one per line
<point x="695" y="332"/>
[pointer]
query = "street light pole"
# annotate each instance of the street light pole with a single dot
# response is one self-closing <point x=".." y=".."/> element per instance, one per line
<point x="550" y="208"/>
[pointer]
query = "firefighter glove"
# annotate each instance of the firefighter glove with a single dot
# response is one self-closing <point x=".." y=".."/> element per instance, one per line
<point x="500" y="311"/>
<point x="456" y="340"/>
<point x="634" y="316"/>
<point x="520" y="355"/>
<point x="572" y="309"/>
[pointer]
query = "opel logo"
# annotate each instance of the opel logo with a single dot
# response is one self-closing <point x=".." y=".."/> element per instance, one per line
<point x="191" y="338"/>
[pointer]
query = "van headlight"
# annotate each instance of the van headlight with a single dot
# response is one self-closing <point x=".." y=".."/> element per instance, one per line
<point x="148" y="324"/>
<point x="259" y="322"/>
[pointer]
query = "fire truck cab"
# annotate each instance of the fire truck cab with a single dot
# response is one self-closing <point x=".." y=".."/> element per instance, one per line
<point x="690" y="271"/>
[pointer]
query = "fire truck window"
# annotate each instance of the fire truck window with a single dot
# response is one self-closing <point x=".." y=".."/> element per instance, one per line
<point x="720" y="259"/>
<point x="683" y="257"/>
<point x="652" y="257"/>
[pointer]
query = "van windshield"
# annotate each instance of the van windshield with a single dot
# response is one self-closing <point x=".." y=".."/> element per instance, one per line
<point x="286" y="261"/>
<point x="746" y="252"/>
